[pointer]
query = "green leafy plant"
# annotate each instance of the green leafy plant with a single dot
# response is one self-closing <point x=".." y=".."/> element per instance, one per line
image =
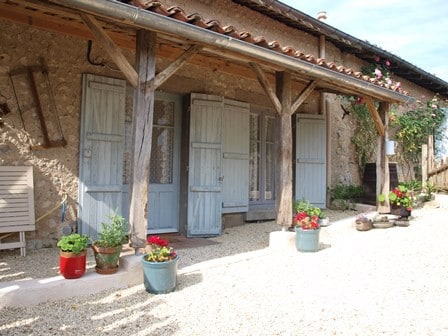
<point x="310" y="209"/>
<point x="400" y="196"/>
<point x="364" y="133"/>
<point x="380" y="71"/>
<point x="159" y="251"/>
<point x="429" y="191"/>
<point x="346" y="192"/>
<point x="113" y="233"/>
<point x="74" y="243"/>
<point x="413" y="127"/>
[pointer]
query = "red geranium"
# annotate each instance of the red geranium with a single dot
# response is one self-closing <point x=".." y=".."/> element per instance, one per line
<point x="155" y="240"/>
<point x="307" y="222"/>
<point x="159" y="251"/>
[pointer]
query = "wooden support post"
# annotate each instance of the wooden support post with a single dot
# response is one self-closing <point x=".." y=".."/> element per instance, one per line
<point x="142" y="135"/>
<point x="377" y="119"/>
<point x="382" y="165"/>
<point x="284" y="152"/>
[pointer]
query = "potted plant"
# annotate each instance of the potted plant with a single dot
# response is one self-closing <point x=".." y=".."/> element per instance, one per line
<point x="307" y="231"/>
<point x="401" y="200"/>
<point x="107" y="248"/>
<point x="311" y="210"/>
<point x="159" y="266"/>
<point x="72" y="255"/>
<point x="382" y="222"/>
<point x="363" y="223"/>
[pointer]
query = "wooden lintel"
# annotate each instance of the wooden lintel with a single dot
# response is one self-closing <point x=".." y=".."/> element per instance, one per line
<point x="112" y="49"/>
<point x="172" y="68"/>
<point x="303" y="96"/>
<point x="267" y="87"/>
<point x="375" y="116"/>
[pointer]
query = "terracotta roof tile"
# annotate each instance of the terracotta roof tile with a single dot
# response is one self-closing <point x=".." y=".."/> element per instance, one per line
<point x="178" y="13"/>
<point x="290" y="51"/>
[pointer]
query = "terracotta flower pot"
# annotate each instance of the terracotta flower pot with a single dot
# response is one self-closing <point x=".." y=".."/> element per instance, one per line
<point x="106" y="259"/>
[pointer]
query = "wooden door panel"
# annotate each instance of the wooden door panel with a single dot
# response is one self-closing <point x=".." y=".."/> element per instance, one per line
<point x="311" y="161"/>
<point x="101" y="151"/>
<point x="204" y="180"/>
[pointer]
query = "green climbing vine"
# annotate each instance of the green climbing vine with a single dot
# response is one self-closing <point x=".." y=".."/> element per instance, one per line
<point x="410" y="129"/>
<point x="364" y="134"/>
<point x="413" y="128"/>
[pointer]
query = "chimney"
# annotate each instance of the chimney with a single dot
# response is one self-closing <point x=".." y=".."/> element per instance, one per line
<point x="322" y="16"/>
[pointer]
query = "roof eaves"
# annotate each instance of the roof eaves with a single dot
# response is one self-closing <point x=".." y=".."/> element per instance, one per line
<point x="152" y="15"/>
<point x="346" y="42"/>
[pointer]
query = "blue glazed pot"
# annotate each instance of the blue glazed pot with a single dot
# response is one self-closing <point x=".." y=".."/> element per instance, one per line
<point x="160" y="277"/>
<point x="307" y="240"/>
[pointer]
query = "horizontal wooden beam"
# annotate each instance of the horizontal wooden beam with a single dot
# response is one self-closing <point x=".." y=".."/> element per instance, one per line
<point x="375" y="116"/>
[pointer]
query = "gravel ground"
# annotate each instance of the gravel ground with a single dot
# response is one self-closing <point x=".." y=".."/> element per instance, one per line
<point x="380" y="282"/>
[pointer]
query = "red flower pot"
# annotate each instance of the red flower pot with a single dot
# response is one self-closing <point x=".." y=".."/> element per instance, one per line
<point x="72" y="266"/>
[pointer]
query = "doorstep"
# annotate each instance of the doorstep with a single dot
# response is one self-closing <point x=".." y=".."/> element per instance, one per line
<point x="29" y="292"/>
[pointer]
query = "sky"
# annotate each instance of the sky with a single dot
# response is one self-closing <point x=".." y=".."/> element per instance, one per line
<point x="414" y="30"/>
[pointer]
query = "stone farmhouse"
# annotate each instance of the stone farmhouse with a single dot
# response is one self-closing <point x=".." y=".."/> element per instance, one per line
<point x="185" y="116"/>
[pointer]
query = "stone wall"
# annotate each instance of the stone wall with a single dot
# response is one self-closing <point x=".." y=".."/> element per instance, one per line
<point x="55" y="169"/>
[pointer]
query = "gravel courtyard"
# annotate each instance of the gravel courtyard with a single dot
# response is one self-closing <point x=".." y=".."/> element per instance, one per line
<point x="381" y="282"/>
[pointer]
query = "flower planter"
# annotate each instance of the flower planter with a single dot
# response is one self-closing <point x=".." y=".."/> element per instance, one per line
<point x="307" y="240"/>
<point x="160" y="277"/>
<point x="364" y="224"/>
<point x="106" y="259"/>
<point x="71" y="265"/>
<point x="399" y="211"/>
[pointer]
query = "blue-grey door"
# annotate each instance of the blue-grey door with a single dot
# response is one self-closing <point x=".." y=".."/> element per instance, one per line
<point x="235" y="157"/>
<point x="311" y="182"/>
<point x="204" y="169"/>
<point x="163" y="191"/>
<point x="101" y="151"/>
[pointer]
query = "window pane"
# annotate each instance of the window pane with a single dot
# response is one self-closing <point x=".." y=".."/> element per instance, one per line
<point x="269" y="129"/>
<point x="161" y="167"/>
<point x="162" y="147"/>
<point x="163" y="113"/>
<point x="269" y="177"/>
<point x="254" y="159"/>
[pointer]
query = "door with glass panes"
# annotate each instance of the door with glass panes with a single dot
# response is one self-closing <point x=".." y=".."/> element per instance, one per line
<point x="262" y="159"/>
<point x="163" y="192"/>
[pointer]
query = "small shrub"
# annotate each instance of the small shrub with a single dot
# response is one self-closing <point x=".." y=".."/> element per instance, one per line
<point x="346" y="192"/>
<point x="113" y="233"/>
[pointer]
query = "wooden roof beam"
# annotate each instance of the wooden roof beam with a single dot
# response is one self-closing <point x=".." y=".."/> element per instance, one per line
<point x="112" y="49"/>
<point x="163" y="76"/>
<point x="303" y="96"/>
<point x="267" y="87"/>
<point x="375" y="116"/>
